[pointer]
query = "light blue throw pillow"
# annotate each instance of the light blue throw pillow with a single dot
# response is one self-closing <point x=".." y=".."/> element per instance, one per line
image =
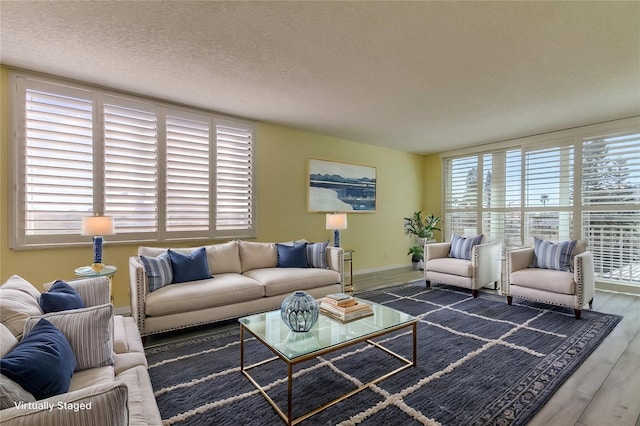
<point x="189" y="267"/>
<point x="549" y="255"/>
<point x="294" y="256"/>
<point x="158" y="269"/>
<point x="461" y="246"/>
<point x="316" y="255"/>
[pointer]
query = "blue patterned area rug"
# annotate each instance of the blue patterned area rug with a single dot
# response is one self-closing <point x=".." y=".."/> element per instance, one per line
<point x="480" y="362"/>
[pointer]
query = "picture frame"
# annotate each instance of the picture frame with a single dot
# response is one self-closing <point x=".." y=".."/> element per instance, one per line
<point x="341" y="187"/>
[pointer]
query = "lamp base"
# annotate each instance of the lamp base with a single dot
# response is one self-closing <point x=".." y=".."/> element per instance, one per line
<point x="97" y="266"/>
<point x="336" y="238"/>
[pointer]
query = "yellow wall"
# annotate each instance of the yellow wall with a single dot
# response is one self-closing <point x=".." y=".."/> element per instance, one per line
<point x="281" y="209"/>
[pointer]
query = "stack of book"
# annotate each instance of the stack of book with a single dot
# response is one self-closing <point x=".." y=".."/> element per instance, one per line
<point x="344" y="307"/>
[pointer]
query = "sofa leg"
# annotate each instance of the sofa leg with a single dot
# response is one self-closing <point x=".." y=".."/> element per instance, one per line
<point x="144" y="340"/>
<point x="495" y="285"/>
<point x="474" y="293"/>
<point x="578" y="313"/>
<point x="428" y="283"/>
<point x="591" y="304"/>
<point x="509" y="300"/>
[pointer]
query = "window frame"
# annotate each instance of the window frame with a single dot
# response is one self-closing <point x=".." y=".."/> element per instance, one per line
<point x="21" y="81"/>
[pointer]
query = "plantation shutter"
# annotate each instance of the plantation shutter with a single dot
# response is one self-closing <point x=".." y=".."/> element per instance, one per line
<point x="234" y="176"/>
<point x="130" y="165"/>
<point x="187" y="194"/>
<point x="611" y="200"/>
<point x="55" y="190"/>
<point x="461" y="196"/>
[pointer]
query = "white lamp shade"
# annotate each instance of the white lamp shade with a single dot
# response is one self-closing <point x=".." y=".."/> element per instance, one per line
<point x="336" y="221"/>
<point x="97" y="225"/>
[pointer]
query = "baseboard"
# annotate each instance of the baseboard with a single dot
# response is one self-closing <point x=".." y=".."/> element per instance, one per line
<point x="618" y="288"/>
<point x="381" y="269"/>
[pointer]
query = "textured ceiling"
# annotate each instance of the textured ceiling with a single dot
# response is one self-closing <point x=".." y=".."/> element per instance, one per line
<point x="414" y="76"/>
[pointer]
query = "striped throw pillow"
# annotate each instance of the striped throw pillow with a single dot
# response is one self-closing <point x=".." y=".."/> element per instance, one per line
<point x="316" y="255"/>
<point x="461" y="246"/>
<point x="549" y="255"/>
<point x="158" y="269"/>
<point x="89" y="332"/>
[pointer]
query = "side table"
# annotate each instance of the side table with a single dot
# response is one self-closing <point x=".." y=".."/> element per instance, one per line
<point x="108" y="271"/>
<point x="348" y="258"/>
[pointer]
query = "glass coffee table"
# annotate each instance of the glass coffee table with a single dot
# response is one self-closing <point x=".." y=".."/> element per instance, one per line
<point x="327" y="335"/>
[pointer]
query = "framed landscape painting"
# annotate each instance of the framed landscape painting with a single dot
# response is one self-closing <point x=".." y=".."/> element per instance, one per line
<point x="341" y="187"/>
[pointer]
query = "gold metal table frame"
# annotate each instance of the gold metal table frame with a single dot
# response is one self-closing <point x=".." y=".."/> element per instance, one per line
<point x="287" y="417"/>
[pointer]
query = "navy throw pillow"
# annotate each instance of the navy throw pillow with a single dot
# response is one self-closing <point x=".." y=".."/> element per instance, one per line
<point x="189" y="267"/>
<point x="60" y="297"/>
<point x="42" y="363"/>
<point x="294" y="256"/>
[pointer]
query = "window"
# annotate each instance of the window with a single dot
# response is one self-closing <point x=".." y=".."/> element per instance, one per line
<point x="562" y="188"/>
<point x="163" y="172"/>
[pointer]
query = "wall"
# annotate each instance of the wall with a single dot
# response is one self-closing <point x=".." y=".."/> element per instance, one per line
<point x="281" y="209"/>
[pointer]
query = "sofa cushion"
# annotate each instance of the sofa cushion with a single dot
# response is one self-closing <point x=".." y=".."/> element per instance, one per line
<point x="257" y="255"/>
<point x="42" y="363"/>
<point x="451" y="266"/>
<point x="143" y="409"/>
<point x="317" y="254"/>
<point x="18" y="302"/>
<point x="224" y="258"/>
<point x="294" y="256"/>
<point x="60" y="297"/>
<point x="222" y="290"/>
<point x="278" y="281"/>
<point x="89" y="332"/>
<point x="11" y="392"/>
<point x="189" y="267"/>
<point x="91" y="377"/>
<point x="544" y="279"/>
<point x="461" y="247"/>
<point x="126" y="336"/>
<point x="159" y="270"/>
<point x="550" y="255"/>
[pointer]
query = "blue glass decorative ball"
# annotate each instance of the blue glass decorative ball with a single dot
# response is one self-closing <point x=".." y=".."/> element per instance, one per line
<point x="299" y="311"/>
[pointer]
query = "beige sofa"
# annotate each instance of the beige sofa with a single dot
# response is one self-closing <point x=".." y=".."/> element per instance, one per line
<point x="246" y="279"/>
<point x="110" y="385"/>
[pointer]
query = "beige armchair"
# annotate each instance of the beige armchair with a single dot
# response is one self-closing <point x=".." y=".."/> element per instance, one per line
<point x="483" y="269"/>
<point x="573" y="289"/>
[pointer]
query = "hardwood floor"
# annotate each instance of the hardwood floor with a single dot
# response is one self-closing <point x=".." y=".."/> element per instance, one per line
<point x="605" y="390"/>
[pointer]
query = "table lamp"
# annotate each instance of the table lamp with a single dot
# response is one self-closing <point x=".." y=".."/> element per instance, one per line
<point x="97" y="226"/>
<point x="336" y="221"/>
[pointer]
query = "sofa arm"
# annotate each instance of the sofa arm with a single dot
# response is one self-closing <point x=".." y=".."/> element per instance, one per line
<point x="93" y="291"/>
<point x="335" y="261"/>
<point x="519" y="259"/>
<point x="487" y="259"/>
<point x="583" y="275"/>
<point x="436" y="251"/>
<point x="137" y="292"/>
<point x="104" y="404"/>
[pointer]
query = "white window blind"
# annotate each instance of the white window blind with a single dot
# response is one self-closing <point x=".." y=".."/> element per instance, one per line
<point x="569" y="188"/>
<point x="234" y="176"/>
<point x="188" y="175"/>
<point x="163" y="172"/>
<point x="611" y="199"/>
<point x="55" y="190"/>
<point x="130" y="167"/>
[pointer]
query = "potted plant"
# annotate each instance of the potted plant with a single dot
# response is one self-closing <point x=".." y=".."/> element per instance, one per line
<point x="421" y="228"/>
<point x="416" y="253"/>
